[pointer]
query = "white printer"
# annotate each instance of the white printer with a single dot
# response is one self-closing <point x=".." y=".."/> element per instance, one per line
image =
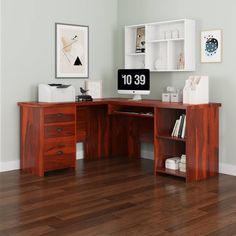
<point x="56" y="93"/>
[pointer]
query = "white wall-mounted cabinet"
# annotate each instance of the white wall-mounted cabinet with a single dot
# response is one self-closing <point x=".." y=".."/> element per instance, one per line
<point x="169" y="46"/>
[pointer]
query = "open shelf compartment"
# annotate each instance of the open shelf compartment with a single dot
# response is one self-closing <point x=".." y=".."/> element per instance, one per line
<point x="166" y="119"/>
<point x="158" y="56"/>
<point x="133" y="59"/>
<point x="176" y="55"/>
<point x="168" y="146"/>
<point x="168" y="149"/>
<point x="165" y="30"/>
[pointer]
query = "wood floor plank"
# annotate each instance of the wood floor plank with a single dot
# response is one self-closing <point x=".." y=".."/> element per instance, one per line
<point x="115" y="197"/>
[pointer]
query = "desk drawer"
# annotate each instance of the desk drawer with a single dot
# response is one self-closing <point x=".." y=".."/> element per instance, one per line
<point x="59" y="114"/>
<point x="56" y="131"/>
<point x="59" y="155"/>
<point x="59" y="148"/>
<point x="54" y="162"/>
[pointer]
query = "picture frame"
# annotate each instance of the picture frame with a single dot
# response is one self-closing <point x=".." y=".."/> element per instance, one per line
<point x="71" y="51"/>
<point x="211" y="46"/>
<point x="140" y="40"/>
<point x="94" y="88"/>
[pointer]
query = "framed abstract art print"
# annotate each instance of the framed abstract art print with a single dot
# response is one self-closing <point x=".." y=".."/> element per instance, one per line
<point x="72" y="54"/>
<point x="211" y="46"/>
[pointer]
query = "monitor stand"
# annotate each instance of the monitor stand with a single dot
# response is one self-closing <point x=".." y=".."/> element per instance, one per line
<point x="137" y="97"/>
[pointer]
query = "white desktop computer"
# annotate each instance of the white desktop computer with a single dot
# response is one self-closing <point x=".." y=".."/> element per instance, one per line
<point x="134" y="81"/>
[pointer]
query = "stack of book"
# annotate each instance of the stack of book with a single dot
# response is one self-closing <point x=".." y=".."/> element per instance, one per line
<point x="179" y="127"/>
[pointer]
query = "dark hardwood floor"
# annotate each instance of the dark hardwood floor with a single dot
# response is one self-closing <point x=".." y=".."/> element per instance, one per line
<point x="115" y="197"/>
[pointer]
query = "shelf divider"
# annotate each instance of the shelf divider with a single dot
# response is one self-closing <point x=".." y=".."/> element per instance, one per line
<point x="168" y="137"/>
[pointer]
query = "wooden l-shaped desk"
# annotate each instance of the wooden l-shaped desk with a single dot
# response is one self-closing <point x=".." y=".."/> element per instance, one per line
<point x="116" y="128"/>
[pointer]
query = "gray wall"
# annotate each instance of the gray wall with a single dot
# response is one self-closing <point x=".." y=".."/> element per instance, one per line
<point x="209" y="14"/>
<point x="28" y="53"/>
<point x="28" y="43"/>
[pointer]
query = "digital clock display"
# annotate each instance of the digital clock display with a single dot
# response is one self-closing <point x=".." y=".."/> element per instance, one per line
<point x="133" y="79"/>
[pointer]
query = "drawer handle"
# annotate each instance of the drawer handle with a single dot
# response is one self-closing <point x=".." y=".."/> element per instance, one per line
<point x="60" y="153"/>
<point x="59" y="130"/>
<point x="59" y="114"/>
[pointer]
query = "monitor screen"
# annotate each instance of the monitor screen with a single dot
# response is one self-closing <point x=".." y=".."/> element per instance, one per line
<point x="134" y="79"/>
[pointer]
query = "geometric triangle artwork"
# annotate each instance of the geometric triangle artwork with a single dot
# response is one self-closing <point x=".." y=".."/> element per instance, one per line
<point x="77" y="62"/>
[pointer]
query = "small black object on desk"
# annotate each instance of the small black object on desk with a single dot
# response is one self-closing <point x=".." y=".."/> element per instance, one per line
<point x="83" y="97"/>
<point x="83" y="91"/>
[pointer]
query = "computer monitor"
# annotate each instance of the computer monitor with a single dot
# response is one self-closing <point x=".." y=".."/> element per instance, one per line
<point x="134" y="81"/>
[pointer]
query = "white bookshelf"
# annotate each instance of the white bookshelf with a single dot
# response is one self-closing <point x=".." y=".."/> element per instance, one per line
<point x="164" y="42"/>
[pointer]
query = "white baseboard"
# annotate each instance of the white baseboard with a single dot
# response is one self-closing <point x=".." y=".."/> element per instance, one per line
<point x="15" y="165"/>
<point x="10" y="165"/>
<point x="227" y="169"/>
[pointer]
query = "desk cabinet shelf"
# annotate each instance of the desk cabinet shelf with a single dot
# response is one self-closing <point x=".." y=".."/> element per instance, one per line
<point x="171" y="138"/>
<point x="200" y="144"/>
<point x="171" y="172"/>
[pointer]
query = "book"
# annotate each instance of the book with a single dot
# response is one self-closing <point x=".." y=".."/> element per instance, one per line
<point x="184" y="128"/>
<point x="177" y="128"/>
<point x="173" y="131"/>
<point x="181" y="125"/>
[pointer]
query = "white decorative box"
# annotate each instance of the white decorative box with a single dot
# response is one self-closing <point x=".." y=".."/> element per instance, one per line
<point x="94" y="88"/>
<point x="175" y="97"/>
<point x="172" y="163"/>
<point x="166" y="97"/>
<point x="183" y="159"/>
<point x="196" y="90"/>
<point x="182" y="167"/>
